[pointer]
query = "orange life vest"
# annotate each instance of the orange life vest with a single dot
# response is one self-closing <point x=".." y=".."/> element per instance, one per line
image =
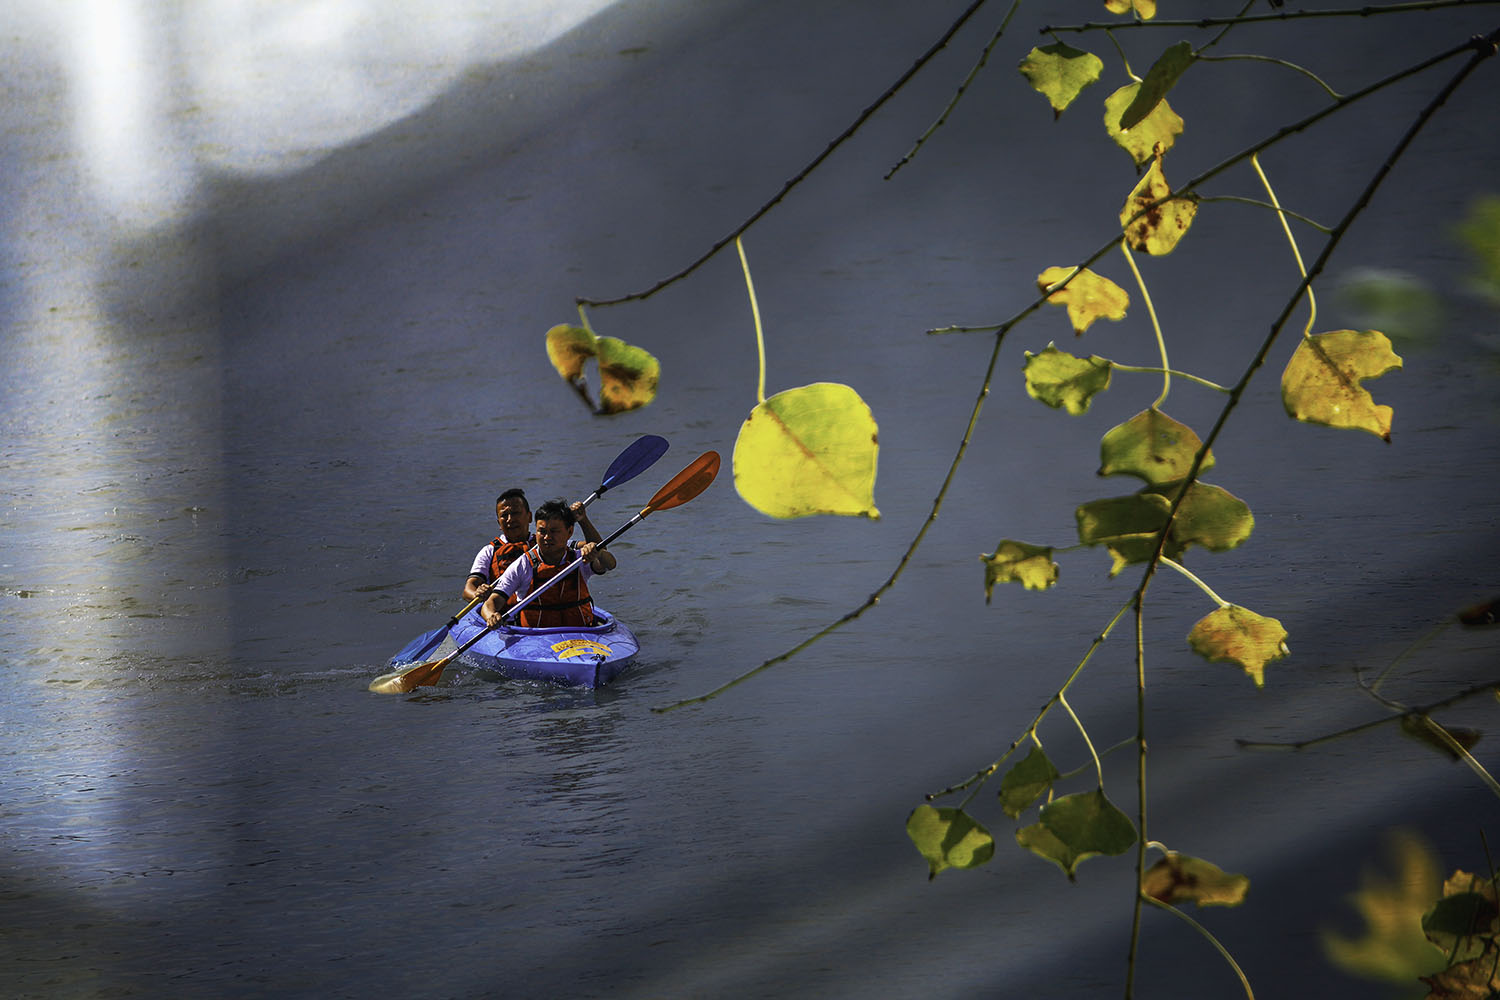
<point x="567" y="604"/>
<point x="506" y="553"/>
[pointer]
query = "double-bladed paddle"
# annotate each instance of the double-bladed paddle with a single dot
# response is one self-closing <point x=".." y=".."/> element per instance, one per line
<point x="637" y="457"/>
<point x="686" y="485"/>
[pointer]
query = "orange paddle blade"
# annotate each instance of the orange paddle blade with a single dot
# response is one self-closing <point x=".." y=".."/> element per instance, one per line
<point x="687" y="484"/>
<point x="408" y="680"/>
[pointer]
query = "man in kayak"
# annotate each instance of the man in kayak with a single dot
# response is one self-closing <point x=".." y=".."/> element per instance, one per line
<point x="566" y="603"/>
<point x="513" y="512"/>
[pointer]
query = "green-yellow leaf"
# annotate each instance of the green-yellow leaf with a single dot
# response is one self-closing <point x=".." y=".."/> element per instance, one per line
<point x="1159" y="129"/>
<point x="1088" y="296"/>
<point x="1127" y="526"/>
<point x="627" y="376"/>
<point x="1143" y="9"/>
<point x="1077" y="827"/>
<point x="1017" y="562"/>
<point x="1179" y="878"/>
<point x="1209" y="516"/>
<point x="1026" y="782"/>
<point x="1239" y="635"/>
<point x="809" y="450"/>
<point x="948" y="838"/>
<point x="1169" y="66"/>
<point x="1060" y="72"/>
<point x="1321" y="384"/>
<point x="1064" y="381"/>
<point x="1152" y="225"/>
<point x="568" y="347"/>
<point x="1153" y="446"/>
<point x="1392" y="947"/>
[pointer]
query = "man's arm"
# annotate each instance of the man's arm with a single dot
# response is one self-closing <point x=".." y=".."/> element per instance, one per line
<point x="590" y="533"/>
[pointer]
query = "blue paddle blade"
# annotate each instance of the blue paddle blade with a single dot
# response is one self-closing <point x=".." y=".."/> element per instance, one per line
<point x="634" y="460"/>
<point x="418" y="648"/>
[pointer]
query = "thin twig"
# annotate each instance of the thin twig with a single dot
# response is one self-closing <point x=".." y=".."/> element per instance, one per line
<point x="802" y="174"/>
<point x="1284" y="15"/>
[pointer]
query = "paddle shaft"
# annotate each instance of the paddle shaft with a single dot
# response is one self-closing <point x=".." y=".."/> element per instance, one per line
<point x="538" y="592"/>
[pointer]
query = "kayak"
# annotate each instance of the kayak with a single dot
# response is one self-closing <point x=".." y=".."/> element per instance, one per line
<point x="579" y="656"/>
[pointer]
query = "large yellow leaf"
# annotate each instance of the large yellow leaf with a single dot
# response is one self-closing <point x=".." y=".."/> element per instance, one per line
<point x="1321" y="384"/>
<point x="1159" y="129"/>
<point x="1156" y="229"/>
<point x="809" y="450"/>
<point x="1241" y="636"/>
<point x="1064" y="381"/>
<point x="1153" y="446"/>
<point x="1088" y="296"/>
<point x="1060" y="72"/>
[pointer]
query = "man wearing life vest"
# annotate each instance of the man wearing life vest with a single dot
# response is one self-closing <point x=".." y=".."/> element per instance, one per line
<point x="514" y="514"/>
<point x="567" y="603"/>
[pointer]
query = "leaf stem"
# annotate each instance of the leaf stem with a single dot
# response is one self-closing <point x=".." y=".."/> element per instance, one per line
<point x="1174" y="564"/>
<point x="1148" y="370"/>
<point x="1436" y="728"/>
<point x="1312" y="301"/>
<point x="1265" y="204"/>
<point x="760" y="338"/>
<point x="1161" y="343"/>
<point x="1240" y="973"/>
<point x="1062" y="700"/>
<point x="958" y="95"/>
<point x="1252" y="57"/>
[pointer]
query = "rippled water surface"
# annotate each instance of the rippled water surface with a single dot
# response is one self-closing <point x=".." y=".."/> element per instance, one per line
<point x="248" y="453"/>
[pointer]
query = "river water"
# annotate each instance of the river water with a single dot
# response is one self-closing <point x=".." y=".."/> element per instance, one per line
<point x="262" y="381"/>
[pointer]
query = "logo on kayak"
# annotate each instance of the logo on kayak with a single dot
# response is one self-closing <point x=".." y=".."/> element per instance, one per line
<point x="569" y="648"/>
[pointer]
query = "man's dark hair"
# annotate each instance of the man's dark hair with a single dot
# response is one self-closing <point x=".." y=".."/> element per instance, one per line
<point x="514" y="493"/>
<point x="557" y="510"/>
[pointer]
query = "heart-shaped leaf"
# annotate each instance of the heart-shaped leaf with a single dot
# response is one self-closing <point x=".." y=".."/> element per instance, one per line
<point x="1064" y="381"/>
<point x="1162" y="76"/>
<point x="1077" y="827"/>
<point x="948" y="838"/>
<point x="1088" y="296"/>
<point x="1179" y="878"/>
<point x="1153" y="225"/>
<point x="1158" y="130"/>
<point x="1321" y="384"/>
<point x="1026" y="782"/>
<point x="1060" y="72"/>
<point x="1239" y="635"/>
<point x="1153" y="446"/>
<point x="809" y="450"/>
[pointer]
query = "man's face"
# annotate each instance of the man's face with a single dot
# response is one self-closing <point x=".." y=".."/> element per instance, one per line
<point x="552" y="535"/>
<point x="514" y="516"/>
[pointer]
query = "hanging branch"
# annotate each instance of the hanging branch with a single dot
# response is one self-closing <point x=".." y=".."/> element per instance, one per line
<point x="803" y="174"/>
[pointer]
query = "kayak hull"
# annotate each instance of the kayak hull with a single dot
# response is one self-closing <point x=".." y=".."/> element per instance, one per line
<point x="574" y="656"/>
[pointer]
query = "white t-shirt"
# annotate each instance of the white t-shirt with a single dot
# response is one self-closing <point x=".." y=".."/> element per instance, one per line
<point x="484" y="558"/>
<point x="517" y="577"/>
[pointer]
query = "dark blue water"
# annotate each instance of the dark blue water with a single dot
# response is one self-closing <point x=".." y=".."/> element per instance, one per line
<point x="249" y="451"/>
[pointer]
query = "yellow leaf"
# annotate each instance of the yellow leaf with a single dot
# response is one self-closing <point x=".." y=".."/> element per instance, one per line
<point x="568" y="347"/>
<point x="1321" y="384"/>
<point x="1180" y="878"/>
<point x="1144" y="9"/>
<point x="809" y="450"/>
<point x="1153" y="446"/>
<point x="1159" y="129"/>
<point x="1239" y="635"/>
<point x="1017" y="562"/>
<point x="1158" y="229"/>
<point x="627" y="376"/>
<point x="1060" y="72"/>
<point x="1088" y="296"/>
<point x="1064" y="381"/>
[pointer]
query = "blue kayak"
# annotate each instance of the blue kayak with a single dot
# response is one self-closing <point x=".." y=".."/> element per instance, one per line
<point x="576" y="656"/>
